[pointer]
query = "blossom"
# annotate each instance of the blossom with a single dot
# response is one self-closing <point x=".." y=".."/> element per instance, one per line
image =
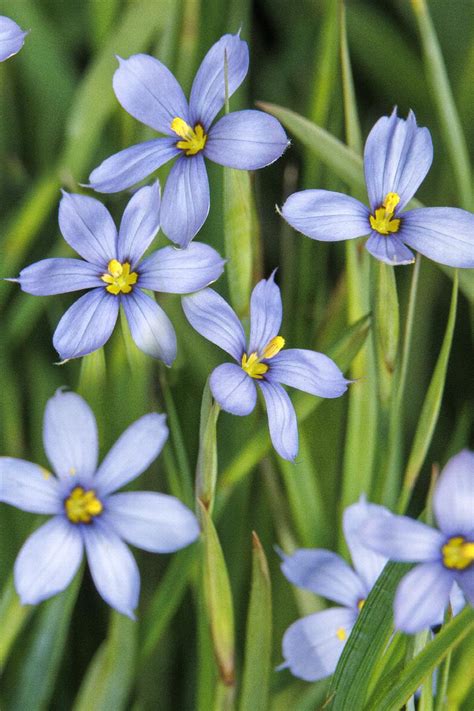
<point x="312" y="645"/>
<point x="397" y="157"/>
<point x="241" y="139"/>
<point x="113" y="272"/>
<point x="445" y="555"/>
<point x="261" y="362"/>
<point x="12" y="38"/>
<point x="87" y="515"/>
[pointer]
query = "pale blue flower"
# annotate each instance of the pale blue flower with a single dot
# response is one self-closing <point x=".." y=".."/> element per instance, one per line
<point x="12" y="38"/>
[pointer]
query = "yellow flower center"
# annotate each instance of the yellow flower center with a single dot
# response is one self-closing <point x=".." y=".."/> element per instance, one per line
<point x="119" y="277"/>
<point x="253" y="365"/>
<point x="81" y="505"/>
<point x="194" y="139"/>
<point x="383" y="220"/>
<point x="458" y="553"/>
<point x="341" y="634"/>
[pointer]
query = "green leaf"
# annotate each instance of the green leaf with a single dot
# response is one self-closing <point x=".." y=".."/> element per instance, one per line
<point x="13" y="617"/>
<point x="206" y="467"/>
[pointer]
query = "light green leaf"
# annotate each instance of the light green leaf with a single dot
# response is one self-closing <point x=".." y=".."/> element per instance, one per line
<point x="13" y="617"/>
<point x="239" y="234"/>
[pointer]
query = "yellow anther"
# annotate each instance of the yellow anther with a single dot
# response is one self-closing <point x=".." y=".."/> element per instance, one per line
<point x="383" y="220"/>
<point x="273" y="347"/>
<point x="194" y="139"/>
<point x="360" y="604"/>
<point x="81" y="505"/>
<point x="119" y="277"/>
<point x="253" y="365"/>
<point x="458" y="553"/>
<point x="341" y="634"/>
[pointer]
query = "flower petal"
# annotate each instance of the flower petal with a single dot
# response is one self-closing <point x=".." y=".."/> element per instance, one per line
<point x="421" y="597"/>
<point x="149" y="92"/>
<point x="444" y="234"/>
<point x="397" y="157"/>
<point x="389" y="249"/>
<point x="211" y="316"/>
<point x="309" y="371"/>
<point x="465" y="580"/>
<point x="281" y="419"/>
<point x="246" y="140"/>
<point x="150" y="327"/>
<point x="324" y="573"/>
<point x="312" y="646"/>
<point x="87" y="324"/>
<point x="265" y="313"/>
<point x="28" y="487"/>
<point x="48" y="561"/>
<point x="208" y="90"/>
<point x="113" y="568"/>
<point x="453" y="499"/>
<point x="181" y="271"/>
<point x="130" y="166"/>
<point x="326" y="215"/>
<point x="367" y="562"/>
<point x="186" y="201"/>
<point x="401" y="538"/>
<point x="12" y="38"/>
<point x="59" y="276"/>
<point x="88" y="227"/>
<point x="155" y="522"/>
<point x="140" y="223"/>
<point x="133" y="452"/>
<point x="70" y="435"/>
<point x="233" y="389"/>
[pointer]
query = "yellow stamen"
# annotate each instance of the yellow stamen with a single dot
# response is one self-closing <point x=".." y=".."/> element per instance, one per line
<point x="253" y="365"/>
<point x="119" y="278"/>
<point x="383" y="220"/>
<point x="360" y="604"/>
<point x="81" y="505"/>
<point x="194" y="139"/>
<point x="458" y="553"/>
<point x="341" y="634"/>
<point x="273" y="347"/>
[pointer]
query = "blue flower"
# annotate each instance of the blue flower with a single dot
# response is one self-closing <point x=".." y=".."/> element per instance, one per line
<point x="397" y="157"/>
<point x="312" y="645"/>
<point x="242" y="139"/>
<point x="12" y="38"/>
<point x="112" y="270"/>
<point x="262" y="362"/>
<point x="446" y="555"/>
<point x="87" y="514"/>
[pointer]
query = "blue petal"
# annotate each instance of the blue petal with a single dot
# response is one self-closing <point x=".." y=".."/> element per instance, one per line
<point x="309" y="371"/>
<point x="70" y="436"/>
<point x="87" y="226"/>
<point x="149" y="92"/>
<point x="130" y="166"/>
<point x="211" y="316"/>
<point x="86" y="325"/>
<point x="48" y="561"/>
<point x="281" y="419"/>
<point x="233" y="389"/>
<point x="185" y="203"/>
<point x="59" y="276"/>
<point x="389" y="249"/>
<point x="132" y="454"/>
<point x="453" y="499"/>
<point x="367" y="562"/>
<point x="326" y="215"/>
<point x="28" y="487"/>
<point x="465" y="580"/>
<point x="150" y="327"/>
<point x="12" y="38"/>
<point x="421" y="597"/>
<point x="265" y="313"/>
<point x="401" y="538"/>
<point x="154" y="522"/>
<point x="208" y="90"/>
<point x="444" y="234"/>
<point x="139" y="225"/>
<point x="397" y="157"/>
<point x="181" y="271"/>
<point x="246" y="140"/>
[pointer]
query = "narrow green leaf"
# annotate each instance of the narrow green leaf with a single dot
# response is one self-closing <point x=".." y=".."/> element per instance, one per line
<point x="13" y="617"/>
<point x="206" y="467"/>
<point x="386" y="316"/>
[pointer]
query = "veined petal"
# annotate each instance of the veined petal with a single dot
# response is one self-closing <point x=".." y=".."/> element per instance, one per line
<point x="367" y="562"/>
<point x="265" y="313"/>
<point x="247" y="140"/>
<point x="326" y="215"/>
<point x="401" y="538"/>
<point x="130" y="166"/>
<point x="309" y="371"/>
<point x="48" y="561"/>
<point x="444" y="234"/>
<point x="140" y="223"/>
<point x="312" y="646"/>
<point x="28" y="487"/>
<point x="233" y="389"/>
<point x="211" y="316"/>
<point x="113" y="568"/>
<point x="150" y="327"/>
<point x="397" y="157"/>
<point x="70" y="435"/>
<point x="86" y="325"/>
<point x="421" y="597"/>
<point x="132" y="453"/>
<point x="149" y="92"/>
<point x="181" y="271"/>
<point x="88" y="227"/>
<point x="186" y="201"/>
<point x="12" y="38"/>
<point x="208" y="90"/>
<point x="59" y="276"/>
<point x="155" y="522"/>
<point x="281" y="419"/>
<point x="453" y="499"/>
<point x="389" y="249"/>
